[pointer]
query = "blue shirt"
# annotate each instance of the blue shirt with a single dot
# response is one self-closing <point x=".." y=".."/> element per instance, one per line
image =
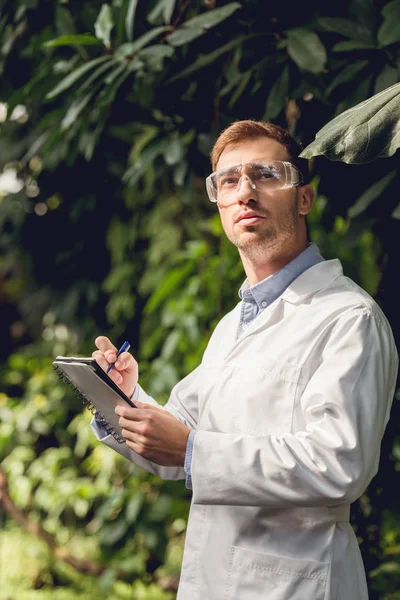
<point x="255" y="299"/>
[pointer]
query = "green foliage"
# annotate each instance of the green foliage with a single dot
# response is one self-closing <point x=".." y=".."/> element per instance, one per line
<point x="107" y="229"/>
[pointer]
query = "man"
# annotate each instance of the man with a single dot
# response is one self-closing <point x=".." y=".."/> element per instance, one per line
<point x="278" y="430"/>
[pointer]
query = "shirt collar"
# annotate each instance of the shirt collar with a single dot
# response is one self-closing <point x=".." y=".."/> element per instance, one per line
<point x="269" y="289"/>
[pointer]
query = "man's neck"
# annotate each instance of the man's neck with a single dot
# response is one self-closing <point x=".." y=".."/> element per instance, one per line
<point x="261" y="267"/>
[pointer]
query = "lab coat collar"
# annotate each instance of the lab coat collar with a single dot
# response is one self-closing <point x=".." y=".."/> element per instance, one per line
<point x="312" y="280"/>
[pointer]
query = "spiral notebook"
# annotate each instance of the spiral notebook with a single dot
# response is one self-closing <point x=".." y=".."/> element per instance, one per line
<point x="96" y="390"/>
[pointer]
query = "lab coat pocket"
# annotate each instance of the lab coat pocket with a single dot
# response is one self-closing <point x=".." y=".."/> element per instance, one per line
<point x="266" y="398"/>
<point x="255" y="575"/>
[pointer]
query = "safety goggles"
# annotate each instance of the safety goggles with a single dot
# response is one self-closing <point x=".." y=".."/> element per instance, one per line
<point x="264" y="175"/>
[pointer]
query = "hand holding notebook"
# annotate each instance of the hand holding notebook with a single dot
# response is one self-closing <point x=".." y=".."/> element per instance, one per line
<point x="99" y="391"/>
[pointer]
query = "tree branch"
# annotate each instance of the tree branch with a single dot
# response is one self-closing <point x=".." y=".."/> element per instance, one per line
<point x="82" y="565"/>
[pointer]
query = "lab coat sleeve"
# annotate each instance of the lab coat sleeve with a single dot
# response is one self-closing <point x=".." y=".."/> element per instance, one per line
<point x="182" y="404"/>
<point x="330" y="462"/>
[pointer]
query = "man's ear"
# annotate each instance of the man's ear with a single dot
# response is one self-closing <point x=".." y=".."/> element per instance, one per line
<point x="306" y="199"/>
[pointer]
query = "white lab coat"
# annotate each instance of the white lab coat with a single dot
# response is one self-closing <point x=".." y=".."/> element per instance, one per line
<point x="289" y="418"/>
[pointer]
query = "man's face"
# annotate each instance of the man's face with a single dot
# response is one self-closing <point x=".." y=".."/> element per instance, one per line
<point x="259" y="221"/>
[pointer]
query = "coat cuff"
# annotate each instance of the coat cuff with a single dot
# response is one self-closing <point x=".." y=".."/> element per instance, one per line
<point x="188" y="460"/>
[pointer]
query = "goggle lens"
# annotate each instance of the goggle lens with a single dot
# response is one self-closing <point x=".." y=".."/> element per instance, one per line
<point x="266" y="176"/>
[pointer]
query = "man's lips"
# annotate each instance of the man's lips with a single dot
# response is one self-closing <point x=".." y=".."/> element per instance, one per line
<point x="248" y="218"/>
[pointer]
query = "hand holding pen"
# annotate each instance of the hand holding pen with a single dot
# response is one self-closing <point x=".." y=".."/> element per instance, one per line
<point x="124" y="348"/>
<point x="120" y="365"/>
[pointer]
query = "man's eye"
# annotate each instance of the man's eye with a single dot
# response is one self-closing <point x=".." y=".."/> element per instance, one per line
<point x="266" y="174"/>
<point x="225" y="181"/>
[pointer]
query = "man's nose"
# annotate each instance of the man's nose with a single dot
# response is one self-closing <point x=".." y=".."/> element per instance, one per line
<point x="246" y="190"/>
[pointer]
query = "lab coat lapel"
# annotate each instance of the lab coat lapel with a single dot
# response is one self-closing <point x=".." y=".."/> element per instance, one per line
<point x="307" y="284"/>
<point x="270" y="315"/>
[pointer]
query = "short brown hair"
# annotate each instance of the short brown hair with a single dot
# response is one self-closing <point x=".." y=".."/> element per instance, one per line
<point x="242" y="131"/>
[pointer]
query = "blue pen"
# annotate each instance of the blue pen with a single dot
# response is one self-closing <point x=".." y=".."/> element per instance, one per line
<point x="124" y="348"/>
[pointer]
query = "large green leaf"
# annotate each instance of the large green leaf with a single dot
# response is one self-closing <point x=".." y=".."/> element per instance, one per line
<point x="362" y="133"/>
<point x="194" y="28"/>
<point x="104" y="24"/>
<point x="306" y="49"/>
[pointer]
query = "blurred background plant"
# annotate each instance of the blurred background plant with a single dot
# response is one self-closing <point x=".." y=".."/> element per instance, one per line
<point x="108" y="112"/>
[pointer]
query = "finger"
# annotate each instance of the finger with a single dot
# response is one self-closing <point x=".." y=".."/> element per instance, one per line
<point x="131" y="414"/>
<point x="134" y="446"/>
<point x="115" y="376"/>
<point x="104" y="364"/>
<point x="133" y="436"/>
<point x="100" y="359"/>
<point x="105" y="346"/>
<point x="133" y="426"/>
<point x="144" y="405"/>
<point x="125" y="361"/>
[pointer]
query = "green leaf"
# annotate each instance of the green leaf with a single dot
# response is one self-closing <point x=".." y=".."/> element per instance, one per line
<point x="164" y="10"/>
<point x="130" y="48"/>
<point x="389" y="31"/>
<point x="347" y="74"/>
<point x="106" y="581"/>
<point x="206" y="59"/>
<point x="73" y="40"/>
<point x="134" y="506"/>
<point x="362" y="133"/>
<point x="277" y="96"/>
<point x="183" y="35"/>
<point x="357" y="93"/>
<point x="173" y="153"/>
<point x="88" y="83"/>
<point x="64" y="21"/>
<point x="396" y="212"/>
<point x="371" y="194"/>
<point x="137" y="170"/>
<point x="170" y="283"/>
<point x="154" y="56"/>
<point x="350" y="45"/>
<point x="74" y="111"/>
<point x="130" y="19"/>
<point x="75" y="75"/>
<point x="386" y="78"/>
<point x="364" y="13"/>
<point x="104" y="24"/>
<point x="244" y="80"/>
<point x="194" y="28"/>
<point x="344" y="27"/>
<point x="306" y="49"/>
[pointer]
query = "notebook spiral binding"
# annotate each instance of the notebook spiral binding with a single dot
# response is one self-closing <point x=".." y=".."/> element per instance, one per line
<point x="95" y="412"/>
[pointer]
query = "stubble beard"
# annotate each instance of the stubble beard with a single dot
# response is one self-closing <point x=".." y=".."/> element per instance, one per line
<point x="270" y="239"/>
